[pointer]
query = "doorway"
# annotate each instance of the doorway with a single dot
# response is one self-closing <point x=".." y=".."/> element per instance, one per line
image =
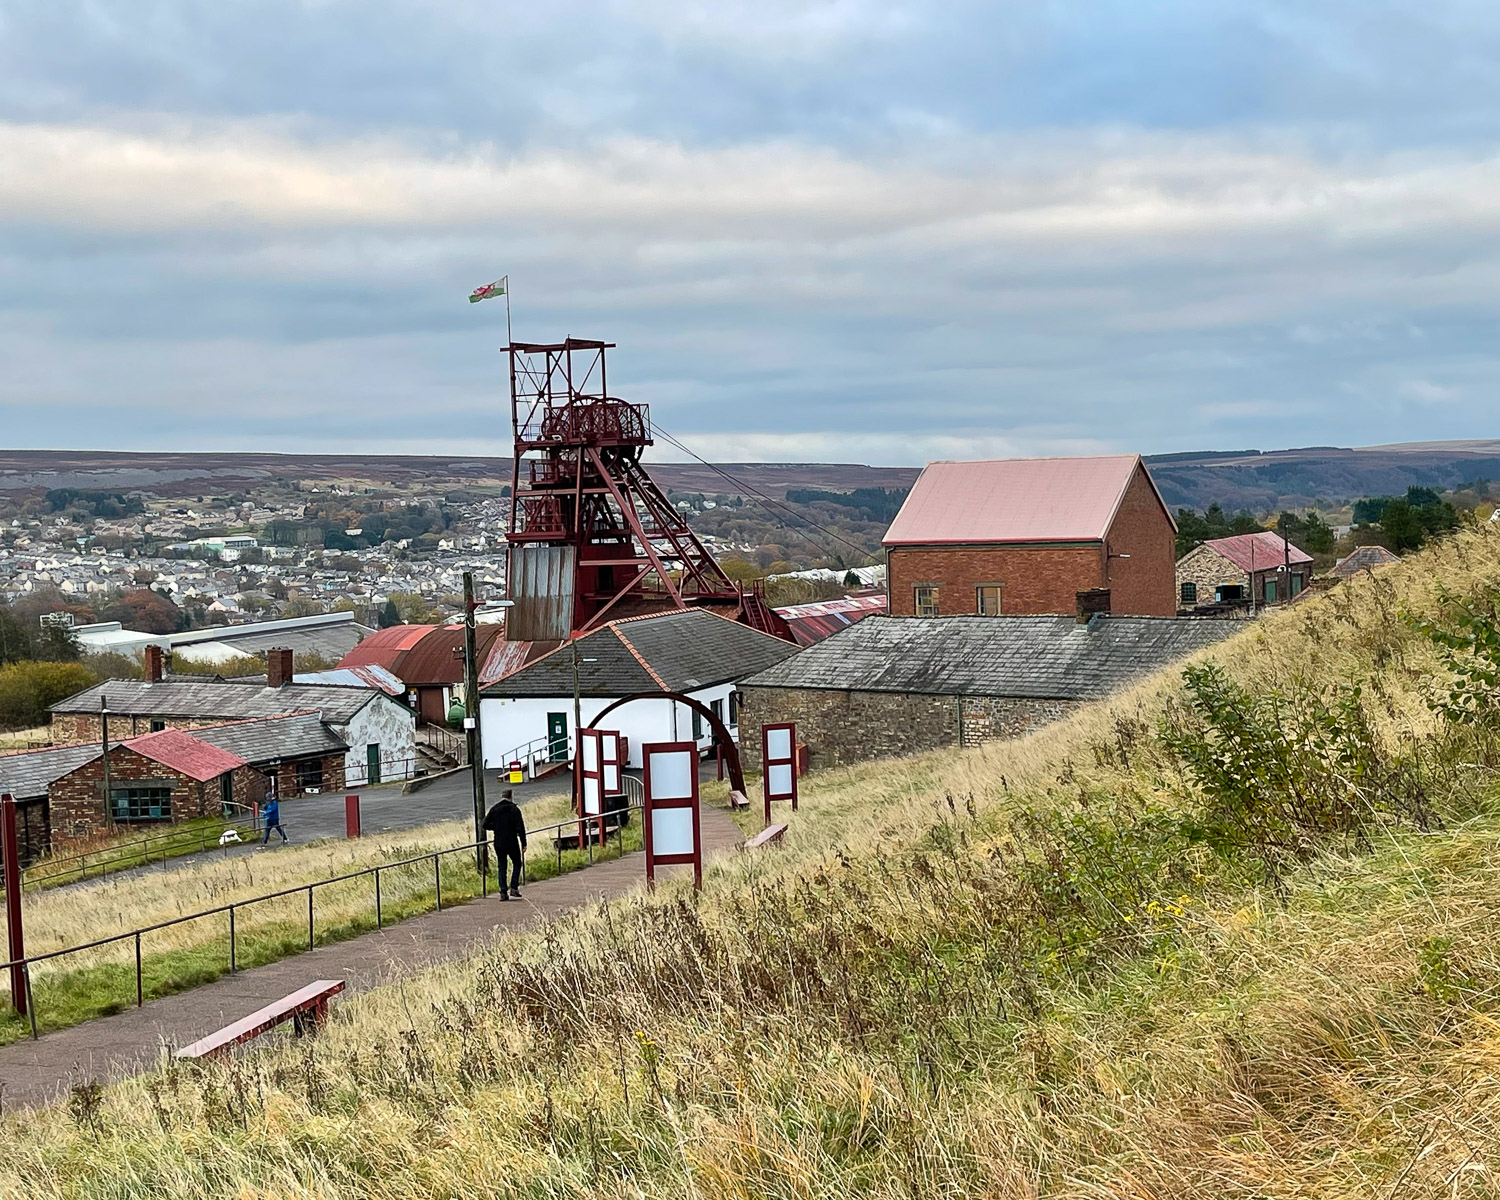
<point x="557" y="737"/>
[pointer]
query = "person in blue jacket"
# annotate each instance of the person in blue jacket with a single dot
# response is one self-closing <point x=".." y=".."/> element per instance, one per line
<point x="272" y="815"/>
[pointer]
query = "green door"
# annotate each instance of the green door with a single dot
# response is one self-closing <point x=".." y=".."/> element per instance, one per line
<point x="1270" y="591"/>
<point x="372" y="762"/>
<point x="557" y="737"/>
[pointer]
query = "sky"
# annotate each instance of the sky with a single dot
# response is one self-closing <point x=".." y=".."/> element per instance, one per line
<point x="854" y="230"/>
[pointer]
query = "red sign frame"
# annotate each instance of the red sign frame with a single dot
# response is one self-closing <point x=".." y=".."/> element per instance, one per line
<point x="654" y="803"/>
<point x="789" y="760"/>
<point x="611" y="760"/>
<point x="590" y="739"/>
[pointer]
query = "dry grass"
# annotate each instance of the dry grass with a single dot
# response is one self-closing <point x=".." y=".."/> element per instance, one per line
<point x="869" y="1012"/>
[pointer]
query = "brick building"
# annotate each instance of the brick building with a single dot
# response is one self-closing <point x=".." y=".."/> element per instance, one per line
<point x="1026" y="535"/>
<point x="296" y="753"/>
<point x="161" y="778"/>
<point x="1230" y="571"/>
<point x="889" y="687"/>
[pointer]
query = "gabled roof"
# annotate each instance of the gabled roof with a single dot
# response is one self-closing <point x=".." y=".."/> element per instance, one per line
<point x="298" y="735"/>
<point x="26" y="773"/>
<point x="369" y="676"/>
<point x="1365" y="558"/>
<point x="1266" y="550"/>
<point x="1043" y="658"/>
<point x="666" y="652"/>
<point x="438" y="657"/>
<point x="184" y="753"/>
<point x="212" y="698"/>
<point x="1015" y="500"/>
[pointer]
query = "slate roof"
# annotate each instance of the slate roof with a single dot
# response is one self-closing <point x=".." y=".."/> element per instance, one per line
<point x="1014" y="500"/>
<point x="1269" y="550"/>
<point x="1366" y="558"/>
<point x="1043" y="658"/>
<point x="185" y="754"/>
<point x="665" y="652"/>
<point x="211" y="698"/>
<point x="26" y="774"/>
<point x="299" y="735"/>
<point x="367" y="676"/>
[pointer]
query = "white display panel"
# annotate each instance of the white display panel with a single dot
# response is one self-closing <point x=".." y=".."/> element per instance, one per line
<point x="779" y="779"/>
<point x="611" y="764"/>
<point x="593" y="803"/>
<point x="671" y="829"/>
<point x="671" y="774"/>
<point x="779" y="744"/>
<point x="590" y="753"/>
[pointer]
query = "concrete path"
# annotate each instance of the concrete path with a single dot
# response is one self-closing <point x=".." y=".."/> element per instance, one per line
<point x="111" y="1048"/>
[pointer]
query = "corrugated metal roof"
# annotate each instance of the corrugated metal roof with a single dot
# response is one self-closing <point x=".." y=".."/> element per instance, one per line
<point x="505" y="658"/>
<point x="1265" y="550"/>
<point x="666" y="652"/>
<point x="810" y="623"/>
<point x="1051" y="658"/>
<point x="368" y="676"/>
<point x="26" y="774"/>
<point x="182" y="752"/>
<point x="438" y="658"/>
<point x="1013" y="500"/>
<point x="298" y="735"/>
<point x="385" y="646"/>
<point x="1365" y="558"/>
<point x="211" y="698"/>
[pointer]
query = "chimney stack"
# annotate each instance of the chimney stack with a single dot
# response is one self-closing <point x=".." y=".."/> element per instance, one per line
<point x="152" y="665"/>
<point x="278" y="667"/>
<point x="1092" y="602"/>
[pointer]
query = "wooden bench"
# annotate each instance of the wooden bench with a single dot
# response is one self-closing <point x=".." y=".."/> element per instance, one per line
<point x="771" y="835"/>
<point x="307" y="1007"/>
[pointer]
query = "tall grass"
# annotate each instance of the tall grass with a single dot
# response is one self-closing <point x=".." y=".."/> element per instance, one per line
<point x="1024" y="970"/>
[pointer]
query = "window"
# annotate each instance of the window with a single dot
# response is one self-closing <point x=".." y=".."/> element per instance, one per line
<point x="158" y="726"/>
<point x="1190" y="593"/>
<point x="718" y="708"/>
<point x="310" y="775"/>
<point x="734" y="708"/>
<point x="927" y="601"/>
<point x="1228" y="593"/>
<point x="697" y="725"/>
<point x="988" y="600"/>
<point x="226" y="790"/>
<point x="141" y="802"/>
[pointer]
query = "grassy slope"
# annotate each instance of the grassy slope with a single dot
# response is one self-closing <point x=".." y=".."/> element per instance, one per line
<point x="868" y="1013"/>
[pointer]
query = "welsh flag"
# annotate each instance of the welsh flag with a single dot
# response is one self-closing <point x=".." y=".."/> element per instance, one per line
<point x="489" y="291"/>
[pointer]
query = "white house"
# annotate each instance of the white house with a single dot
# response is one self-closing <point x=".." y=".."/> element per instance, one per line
<point x="528" y="715"/>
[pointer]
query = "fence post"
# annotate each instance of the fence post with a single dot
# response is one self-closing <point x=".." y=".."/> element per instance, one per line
<point x="351" y="817"/>
<point x="10" y="862"/>
<point x="379" y="924"/>
<point x="437" y="878"/>
<point x="309" y="917"/>
<point x="30" y="1001"/>
<point x="231" y="940"/>
<point x="139" y="989"/>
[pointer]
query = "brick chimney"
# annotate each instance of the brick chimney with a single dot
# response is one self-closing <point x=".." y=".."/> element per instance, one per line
<point x="278" y="668"/>
<point x="151" y="666"/>
<point x="1092" y="602"/>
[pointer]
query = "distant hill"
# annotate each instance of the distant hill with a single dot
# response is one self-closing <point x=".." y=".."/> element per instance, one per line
<point x="1262" y="481"/>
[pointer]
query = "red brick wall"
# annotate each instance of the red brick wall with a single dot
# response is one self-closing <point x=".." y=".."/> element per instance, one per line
<point x="1145" y="584"/>
<point x="1035" y="579"/>
<point x="330" y="774"/>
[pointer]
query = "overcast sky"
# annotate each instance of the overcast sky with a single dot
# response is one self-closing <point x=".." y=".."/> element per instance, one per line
<point x="860" y="230"/>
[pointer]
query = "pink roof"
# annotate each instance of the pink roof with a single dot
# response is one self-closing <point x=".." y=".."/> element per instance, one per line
<point x="181" y="751"/>
<point x="1269" y="551"/>
<point x="1014" y="500"/>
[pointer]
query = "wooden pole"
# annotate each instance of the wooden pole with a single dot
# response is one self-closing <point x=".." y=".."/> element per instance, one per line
<point x="10" y="856"/>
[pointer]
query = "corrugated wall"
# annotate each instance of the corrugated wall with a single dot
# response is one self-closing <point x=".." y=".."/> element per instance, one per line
<point x="541" y="584"/>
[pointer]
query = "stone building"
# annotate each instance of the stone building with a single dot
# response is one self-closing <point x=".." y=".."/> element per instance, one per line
<point x="1231" y="571"/>
<point x="1019" y="536"/>
<point x="158" y="778"/>
<point x="889" y="687"/>
<point x="296" y="753"/>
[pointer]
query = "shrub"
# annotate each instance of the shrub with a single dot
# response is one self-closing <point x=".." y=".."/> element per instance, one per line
<point x="28" y="690"/>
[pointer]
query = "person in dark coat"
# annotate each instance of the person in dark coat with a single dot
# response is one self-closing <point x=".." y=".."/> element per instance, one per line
<point x="508" y="827"/>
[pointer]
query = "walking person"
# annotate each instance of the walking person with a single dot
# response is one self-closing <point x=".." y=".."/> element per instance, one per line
<point x="505" y="823"/>
<point x="272" y="815"/>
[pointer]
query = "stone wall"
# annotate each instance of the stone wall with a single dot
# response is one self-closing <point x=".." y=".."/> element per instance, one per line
<point x="76" y="800"/>
<point x="71" y="728"/>
<point x="330" y="775"/>
<point x="840" y="727"/>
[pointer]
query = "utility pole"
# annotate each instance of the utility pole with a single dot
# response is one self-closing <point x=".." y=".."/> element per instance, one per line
<point x="1285" y="592"/>
<point x="475" y="743"/>
<point x="109" y="798"/>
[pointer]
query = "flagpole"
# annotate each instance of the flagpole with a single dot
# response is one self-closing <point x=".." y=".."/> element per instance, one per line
<point x="508" y="338"/>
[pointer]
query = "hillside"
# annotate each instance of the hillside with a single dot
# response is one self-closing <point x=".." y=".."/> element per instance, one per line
<point x="1235" y="934"/>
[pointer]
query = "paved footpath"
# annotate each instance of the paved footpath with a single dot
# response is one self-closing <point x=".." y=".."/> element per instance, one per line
<point x="111" y="1048"/>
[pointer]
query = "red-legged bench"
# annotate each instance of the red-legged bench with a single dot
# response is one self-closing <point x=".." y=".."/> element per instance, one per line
<point x="307" y="1007"/>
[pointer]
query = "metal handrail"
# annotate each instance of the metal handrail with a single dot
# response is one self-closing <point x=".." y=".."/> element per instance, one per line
<point x="125" y="849"/>
<point x="435" y="857"/>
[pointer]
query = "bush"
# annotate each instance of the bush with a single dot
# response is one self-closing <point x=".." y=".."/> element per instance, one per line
<point x="28" y="690"/>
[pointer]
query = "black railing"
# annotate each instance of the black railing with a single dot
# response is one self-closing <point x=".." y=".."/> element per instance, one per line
<point x="230" y="910"/>
<point x="54" y="871"/>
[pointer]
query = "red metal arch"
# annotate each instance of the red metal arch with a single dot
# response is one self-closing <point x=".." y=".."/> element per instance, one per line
<point x="731" y="751"/>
